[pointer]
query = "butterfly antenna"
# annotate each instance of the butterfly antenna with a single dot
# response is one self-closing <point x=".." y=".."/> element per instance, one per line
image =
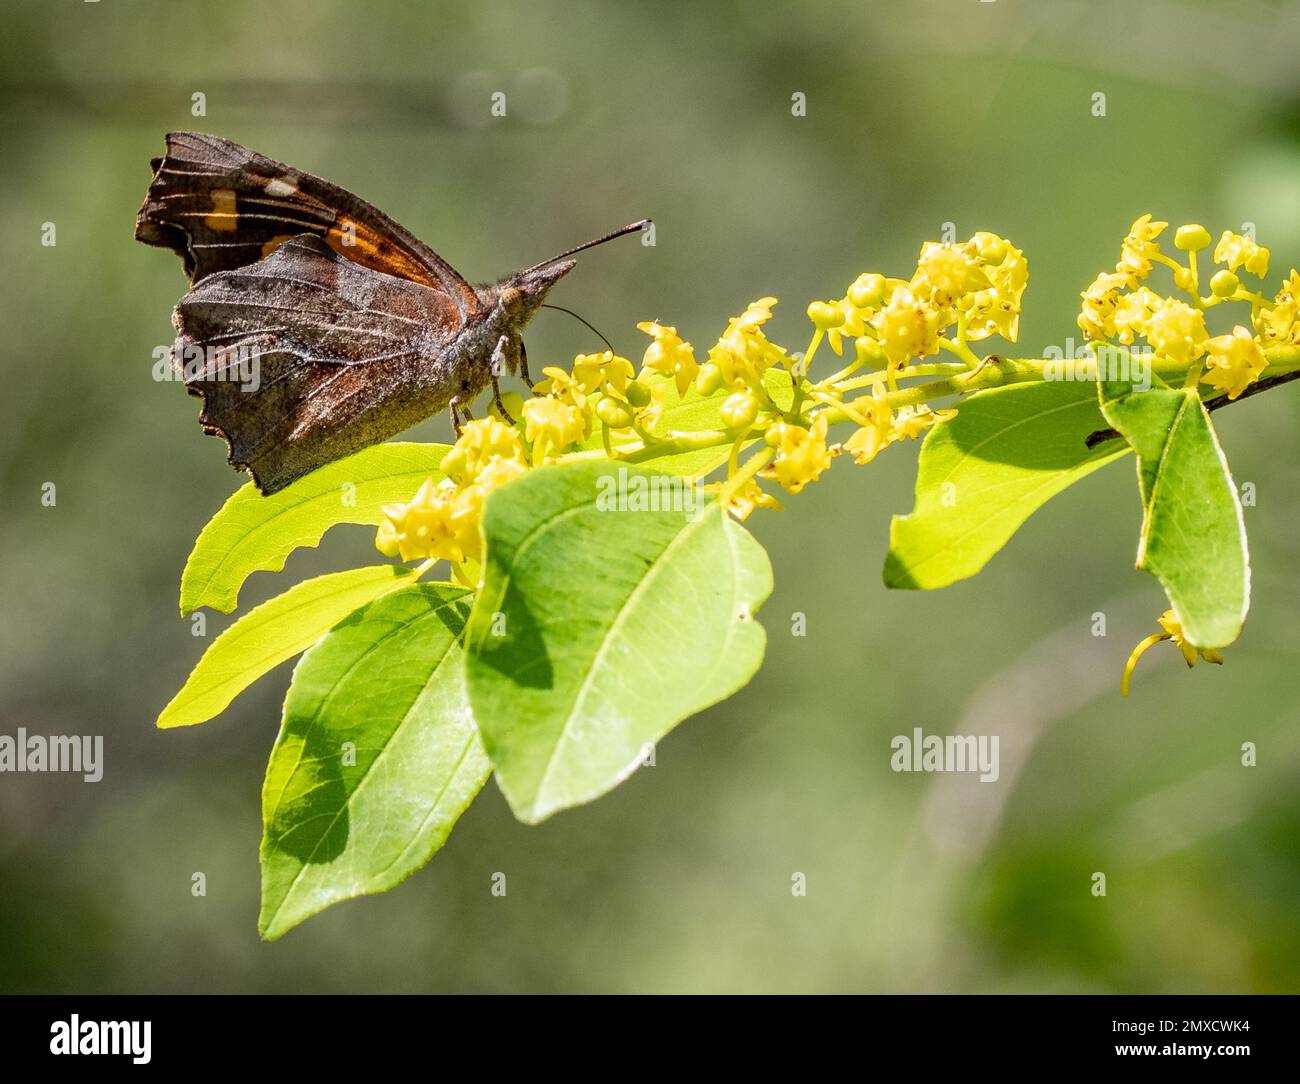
<point x="634" y="227"/>
<point x="580" y="320"/>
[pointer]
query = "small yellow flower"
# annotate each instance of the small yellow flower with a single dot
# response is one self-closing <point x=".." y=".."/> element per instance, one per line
<point x="945" y="272"/>
<point x="910" y="422"/>
<point x="560" y="384"/>
<point x="387" y="540"/>
<point x="1171" y="629"/>
<point x="479" y="443"/>
<point x="1233" y="361"/>
<point x="430" y="525"/>
<point x="467" y="511"/>
<point x="743" y="353"/>
<point x="560" y="422"/>
<point x="992" y="249"/>
<point x="997" y="309"/>
<point x="667" y="354"/>
<point x="598" y="372"/>
<point x="1174" y="631"/>
<point x="1132" y="315"/>
<point x="745" y="499"/>
<point x="868" y="440"/>
<point x="1138" y="249"/>
<point x="1278" y="324"/>
<point x="1097" y="316"/>
<point x="442" y="520"/>
<point x="1176" y="331"/>
<point x="801" y="455"/>
<point x="907" y="328"/>
<point x="1236" y="250"/>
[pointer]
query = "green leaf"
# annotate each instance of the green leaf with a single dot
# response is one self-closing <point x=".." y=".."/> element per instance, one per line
<point x="597" y="630"/>
<point x="377" y="756"/>
<point x="252" y="533"/>
<point x="1193" y="536"/>
<point x="277" y="630"/>
<point x="981" y="475"/>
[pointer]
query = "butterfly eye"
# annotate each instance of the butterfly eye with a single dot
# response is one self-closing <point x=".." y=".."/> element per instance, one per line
<point x="511" y="296"/>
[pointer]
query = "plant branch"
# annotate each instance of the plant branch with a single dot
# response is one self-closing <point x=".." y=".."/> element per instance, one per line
<point x="1101" y="436"/>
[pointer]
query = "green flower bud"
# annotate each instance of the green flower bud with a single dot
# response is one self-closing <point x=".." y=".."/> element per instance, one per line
<point x="1192" y="238"/>
<point x="1224" y="284"/>
<point x="867" y="291"/>
<point x="825" y="315"/>
<point x="868" y="351"/>
<point x="708" y="379"/>
<point x="994" y="250"/>
<point x="637" y="394"/>
<point x="613" y="413"/>
<point x="454" y="463"/>
<point x="739" y="411"/>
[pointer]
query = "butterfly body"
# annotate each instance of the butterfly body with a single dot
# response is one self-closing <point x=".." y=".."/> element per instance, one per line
<point x="315" y="326"/>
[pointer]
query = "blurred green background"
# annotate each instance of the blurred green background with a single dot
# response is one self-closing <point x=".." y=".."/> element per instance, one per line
<point x="918" y="114"/>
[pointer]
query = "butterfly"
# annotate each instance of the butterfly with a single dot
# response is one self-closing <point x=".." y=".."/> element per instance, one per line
<point x="315" y="325"/>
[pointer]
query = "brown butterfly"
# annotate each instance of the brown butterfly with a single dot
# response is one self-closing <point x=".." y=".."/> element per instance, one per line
<point x="315" y="325"/>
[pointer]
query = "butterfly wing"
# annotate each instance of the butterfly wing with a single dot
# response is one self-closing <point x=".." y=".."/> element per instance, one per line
<point x="305" y="357"/>
<point x="220" y="206"/>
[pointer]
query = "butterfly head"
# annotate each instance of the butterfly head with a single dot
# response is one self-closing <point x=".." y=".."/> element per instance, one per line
<point x="522" y="294"/>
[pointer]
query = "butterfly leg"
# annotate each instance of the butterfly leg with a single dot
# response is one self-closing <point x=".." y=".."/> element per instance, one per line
<point x="499" y="365"/>
<point x="523" y="364"/>
<point x="501" y="407"/>
<point x="455" y="414"/>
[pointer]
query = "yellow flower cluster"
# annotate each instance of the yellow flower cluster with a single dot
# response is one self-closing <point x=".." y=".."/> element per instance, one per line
<point x="561" y="416"/>
<point x="976" y="285"/>
<point x="442" y="520"/>
<point x="1118" y="305"/>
